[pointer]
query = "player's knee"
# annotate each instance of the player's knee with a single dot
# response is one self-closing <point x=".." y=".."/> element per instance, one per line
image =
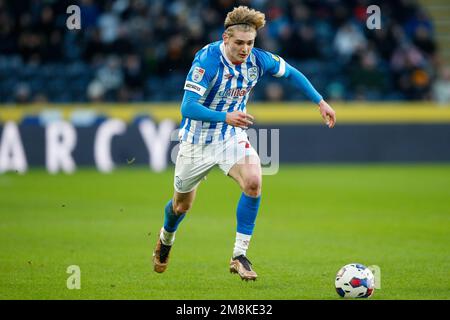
<point x="181" y="207"/>
<point x="252" y="186"/>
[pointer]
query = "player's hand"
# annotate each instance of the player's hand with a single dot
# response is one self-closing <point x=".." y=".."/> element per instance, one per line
<point x="327" y="113"/>
<point x="239" y="119"/>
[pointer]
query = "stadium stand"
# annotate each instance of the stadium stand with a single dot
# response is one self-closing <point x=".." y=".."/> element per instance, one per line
<point x="140" y="51"/>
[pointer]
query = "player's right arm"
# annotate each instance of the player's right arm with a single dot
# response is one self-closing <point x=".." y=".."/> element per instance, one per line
<point x="191" y="108"/>
<point x="199" y="78"/>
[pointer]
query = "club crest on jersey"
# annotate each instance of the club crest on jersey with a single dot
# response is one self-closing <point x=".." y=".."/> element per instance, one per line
<point x="252" y="73"/>
<point x="198" y="74"/>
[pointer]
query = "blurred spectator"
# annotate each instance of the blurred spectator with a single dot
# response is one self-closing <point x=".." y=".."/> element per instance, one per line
<point x="274" y="92"/>
<point x="441" y="87"/>
<point x="52" y="52"/>
<point x="406" y="55"/>
<point x="110" y="75"/>
<point x="367" y="79"/>
<point x="96" y="91"/>
<point x="422" y="40"/>
<point x="348" y="39"/>
<point x="94" y="48"/>
<point x="421" y="83"/>
<point x="89" y="13"/>
<point x="46" y="22"/>
<point x="22" y="93"/>
<point x="419" y="19"/>
<point x="302" y="44"/>
<point x="411" y="72"/>
<point x="108" y="24"/>
<point x="384" y="41"/>
<point x="40" y="98"/>
<point x="174" y="56"/>
<point x="8" y="43"/>
<point x="335" y="91"/>
<point x="133" y="77"/>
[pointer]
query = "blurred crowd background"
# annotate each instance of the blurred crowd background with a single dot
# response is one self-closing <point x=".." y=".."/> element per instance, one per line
<point x="141" y="50"/>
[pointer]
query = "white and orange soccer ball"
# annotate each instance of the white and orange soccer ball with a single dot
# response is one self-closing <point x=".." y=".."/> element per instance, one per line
<point x="355" y="281"/>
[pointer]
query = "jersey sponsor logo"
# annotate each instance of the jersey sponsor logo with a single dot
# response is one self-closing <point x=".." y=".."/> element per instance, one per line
<point x="234" y="93"/>
<point x="252" y="73"/>
<point x="198" y="74"/>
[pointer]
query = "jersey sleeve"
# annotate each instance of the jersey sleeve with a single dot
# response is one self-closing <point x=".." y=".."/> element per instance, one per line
<point x="277" y="67"/>
<point x="202" y="72"/>
<point x="271" y="63"/>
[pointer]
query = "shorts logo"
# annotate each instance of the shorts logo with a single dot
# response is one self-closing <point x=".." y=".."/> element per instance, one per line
<point x="198" y="74"/>
<point x="178" y="182"/>
<point x="252" y="73"/>
<point x="247" y="144"/>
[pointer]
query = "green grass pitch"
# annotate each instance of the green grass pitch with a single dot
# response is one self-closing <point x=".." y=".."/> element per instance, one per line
<point x="313" y="220"/>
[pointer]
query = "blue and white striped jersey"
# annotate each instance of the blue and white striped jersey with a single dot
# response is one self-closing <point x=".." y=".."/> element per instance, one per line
<point x="224" y="86"/>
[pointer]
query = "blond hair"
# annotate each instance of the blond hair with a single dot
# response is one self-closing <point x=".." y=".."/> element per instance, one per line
<point x="244" y="19"/>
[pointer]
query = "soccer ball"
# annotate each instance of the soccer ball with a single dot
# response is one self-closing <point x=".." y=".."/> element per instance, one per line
<point x="354" y="281"/>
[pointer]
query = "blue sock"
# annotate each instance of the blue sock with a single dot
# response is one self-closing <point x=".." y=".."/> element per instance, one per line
<point x="171" y="220"/>
<point x="246" y="213"/>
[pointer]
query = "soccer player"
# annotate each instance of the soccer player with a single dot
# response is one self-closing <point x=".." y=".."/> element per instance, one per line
<point x="212" y="131"/>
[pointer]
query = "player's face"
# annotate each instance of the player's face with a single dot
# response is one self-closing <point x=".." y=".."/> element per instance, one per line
<point x="239" y="45"/>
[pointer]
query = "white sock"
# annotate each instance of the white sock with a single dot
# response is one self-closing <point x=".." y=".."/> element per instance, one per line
<point x="167" y="238"/>
<point x="241" y="244"/>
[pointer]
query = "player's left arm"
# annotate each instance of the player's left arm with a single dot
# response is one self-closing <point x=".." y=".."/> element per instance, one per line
<point x="277" y="67"/>
<point x="299" y="80"/>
